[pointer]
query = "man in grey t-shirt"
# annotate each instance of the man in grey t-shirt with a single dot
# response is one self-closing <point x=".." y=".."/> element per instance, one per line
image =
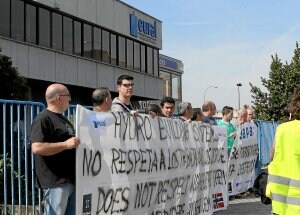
<point x="122" y="102"/>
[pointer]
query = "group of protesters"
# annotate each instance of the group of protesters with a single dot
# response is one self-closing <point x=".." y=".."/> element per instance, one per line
<point x="283" y="183"/>
<point x="54" y="142"/>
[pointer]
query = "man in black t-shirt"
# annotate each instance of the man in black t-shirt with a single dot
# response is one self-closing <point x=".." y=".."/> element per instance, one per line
<point x="54" y="144"/>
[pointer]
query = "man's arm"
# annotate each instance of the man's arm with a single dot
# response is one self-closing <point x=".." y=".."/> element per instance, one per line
<point x="48" y="149"/>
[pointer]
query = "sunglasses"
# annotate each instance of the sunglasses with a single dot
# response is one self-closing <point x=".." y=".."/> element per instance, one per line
<point x="66" y="95"/>
<point x="128" y="85"/>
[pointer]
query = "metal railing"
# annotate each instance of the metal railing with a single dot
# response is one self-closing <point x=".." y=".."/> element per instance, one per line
<point x="17" y="161"/>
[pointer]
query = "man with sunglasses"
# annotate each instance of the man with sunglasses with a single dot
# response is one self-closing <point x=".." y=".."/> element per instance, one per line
<point x="54" y="145"/>
<point x="122" y="102"/>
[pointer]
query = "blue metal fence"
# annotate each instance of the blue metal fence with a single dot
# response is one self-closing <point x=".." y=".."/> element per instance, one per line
<point x="17" y="174"/>
<point x="17" y="162"/>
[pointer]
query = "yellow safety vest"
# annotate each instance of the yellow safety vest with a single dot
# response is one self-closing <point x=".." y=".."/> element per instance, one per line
<point x="284" y="171"/>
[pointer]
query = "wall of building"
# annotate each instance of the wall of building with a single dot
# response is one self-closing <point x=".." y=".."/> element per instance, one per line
<point x="111" y="14"/>
<point x="42" y="62"/>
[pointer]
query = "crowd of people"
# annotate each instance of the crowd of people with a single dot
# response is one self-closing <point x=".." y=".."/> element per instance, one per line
<point x="54" y="142"/>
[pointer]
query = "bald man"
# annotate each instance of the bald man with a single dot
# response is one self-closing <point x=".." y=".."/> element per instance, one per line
<point x="54" y="144"/>
<point x="242" y="116"/>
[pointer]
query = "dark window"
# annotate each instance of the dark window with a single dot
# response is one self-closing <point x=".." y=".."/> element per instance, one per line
<point x="4" y="17"/>
<point x="56" y="31"/>
<point x="105" y="47"/>
<point x="44" y="27"/>
<point x="77" y="38"/>
<point x="137" y="56"/>
<point x="129" y="55"/>
<point x="113" y="49"/>
<point x="155" y="62"/>
<point x="97" y="44"/>
<point x="17" y="20"/>
<point x="122" y="51"/>
<point x="30" y="24"/>
<point x="143" y="58"/>
<point x="67" y="35"/>
<point x="87" y="41"/>
<point x="149" y="60"/>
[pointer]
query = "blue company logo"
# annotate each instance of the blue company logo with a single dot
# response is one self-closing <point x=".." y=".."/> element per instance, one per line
<point x="99" y="123"/>
<point x="140" y="26"/>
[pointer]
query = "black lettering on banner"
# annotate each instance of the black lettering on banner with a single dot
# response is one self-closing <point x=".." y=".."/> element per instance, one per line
<point x="143" y="160"/>
<point x="203" y="180"/>
<point x="199" y="206"/>
<point x="112" y="201"/>
<point x="176" y="130"/>
<point x="208" y="134"/>
<point x="130" y="161"/>
<point x="247" y="132"/>
<point x="234" y="153"/>
<point x="196" y="132"/>
<point x="139" y="125"/>
<point x="115" y="157"/>
<point x="147" y="128"/>
<point x="135" y="127"/>
<point x="154" y="163"/>
<point x="150" y="160"/>
<point x="194" y="207"/>
<point x="95" y="166"/>
<point x="219" y="177"/>
<point x="184" y="131"/>
<point x="246" y="167"/>
<point x="162" y="160"/>
<point x="144" y="193"/>
<point x="117" y="116"/>
<point x="231" y="169"/>
<point x="161" y="193"/>
<point x="128" y="126"/>
<point x="137" y="158"/>
<point x="162" y="129"/>
<point x="173" y="160"/>
<point x="248" y="151"/>
<point x="169" y="127"/>
<point x="122" y="161"/>
<point x="204" y="133"/>
<point x="206" y="204"/>
<point x="178" y="209"/>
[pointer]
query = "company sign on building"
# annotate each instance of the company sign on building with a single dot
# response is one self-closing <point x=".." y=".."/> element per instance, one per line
<point x="142" y="29"/>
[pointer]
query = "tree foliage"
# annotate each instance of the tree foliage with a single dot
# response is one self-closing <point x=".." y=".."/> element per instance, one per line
<point x="283" y="79"/>
<point x="13" y="84"/>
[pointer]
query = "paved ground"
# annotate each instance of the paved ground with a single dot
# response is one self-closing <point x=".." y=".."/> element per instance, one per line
<point x="246" y="206"/>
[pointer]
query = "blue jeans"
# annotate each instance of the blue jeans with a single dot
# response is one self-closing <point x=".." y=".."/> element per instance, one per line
<point x="59" y="200"/>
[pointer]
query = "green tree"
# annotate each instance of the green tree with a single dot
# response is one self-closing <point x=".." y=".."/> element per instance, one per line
<point x="13" y="84"/>
<point x="13" y="87"/>
<point x="283" y="79"/>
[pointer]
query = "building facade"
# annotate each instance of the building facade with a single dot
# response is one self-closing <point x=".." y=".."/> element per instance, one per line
<point x="171" y="71"/>
<point x="83" y="44"/>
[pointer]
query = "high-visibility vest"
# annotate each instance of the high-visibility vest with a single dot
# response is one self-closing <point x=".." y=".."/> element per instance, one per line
<point x="284" y="171"/>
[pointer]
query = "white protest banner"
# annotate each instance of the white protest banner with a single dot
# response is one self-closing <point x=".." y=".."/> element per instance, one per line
<point x="141" y="165"/>
<point x="242" y="159"/>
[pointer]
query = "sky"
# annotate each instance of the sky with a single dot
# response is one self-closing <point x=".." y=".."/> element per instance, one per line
<point x="224" y="42"/>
